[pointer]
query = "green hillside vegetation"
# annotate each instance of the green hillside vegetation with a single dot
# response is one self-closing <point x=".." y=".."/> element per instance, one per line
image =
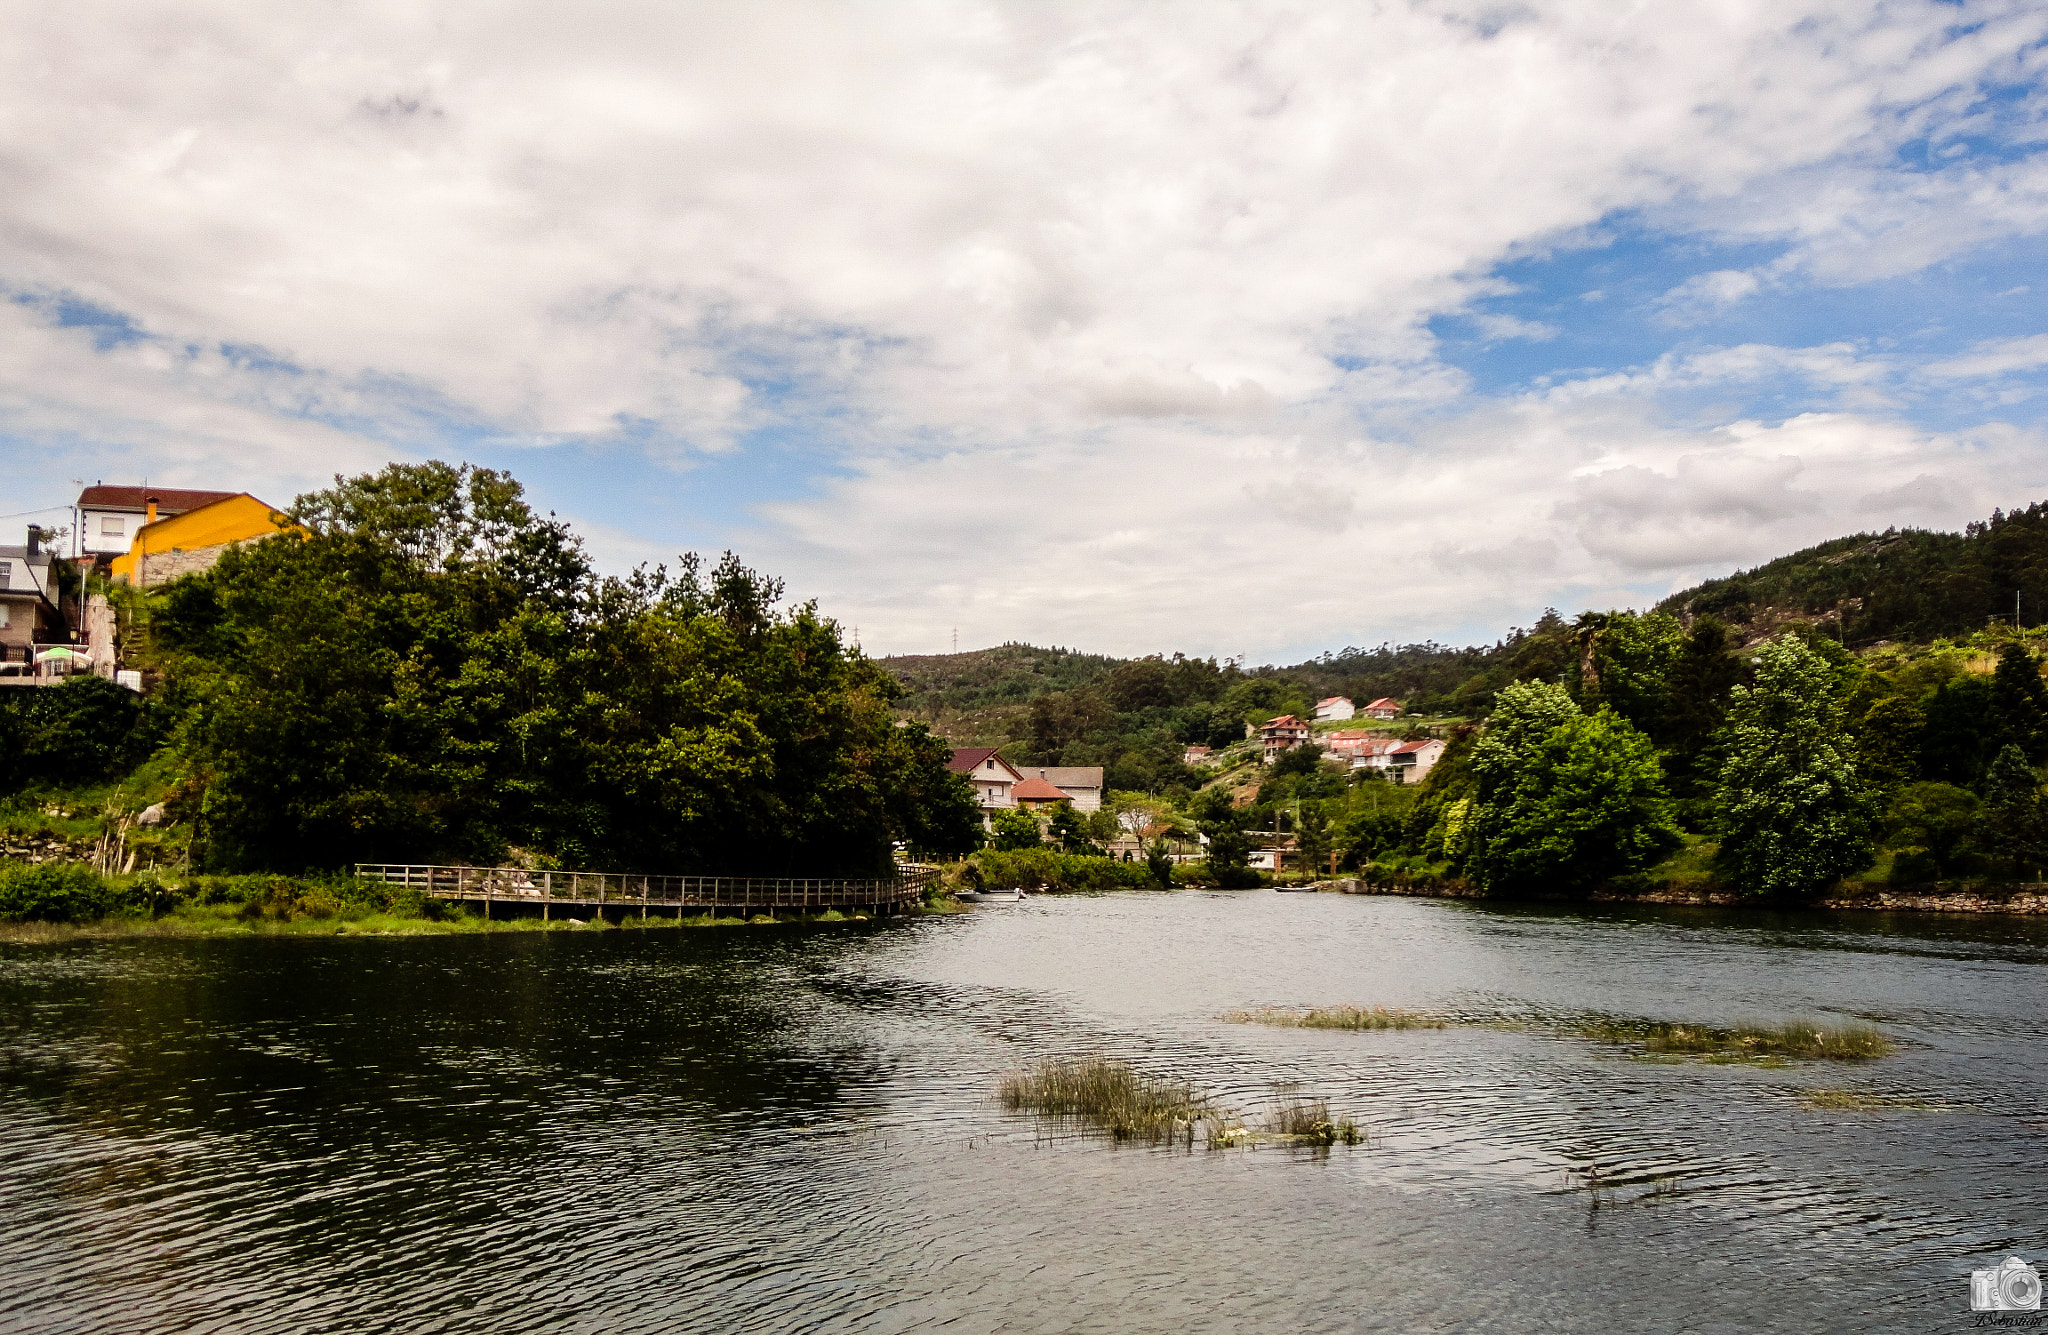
<point x="1909" y="585"/>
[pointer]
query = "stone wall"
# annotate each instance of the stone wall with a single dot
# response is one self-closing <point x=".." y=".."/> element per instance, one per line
<point x="42" y="848"/>
<point x="163" y="567"/>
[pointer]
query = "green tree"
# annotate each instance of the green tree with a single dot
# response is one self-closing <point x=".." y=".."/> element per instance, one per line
<point x="1069" y="830"/>
<point x="2014" y="827"/>
<point x="1632" y="659"/>
<point x="1306" y="759"/>
<point x="1015" y="828"/>
<point x="1790" y="807"/>
<point x="1564" y="799"/>
<point x="1930" y="825"/>
<point x="1228" y="853"/>
<point x="1695" y="701"/>
<point x="1312" y="837"/>
<point x="1888" y="741"/>
<point x="80" y="730"/>
<point x="2021" y="699"/>
<point x="1159" y="861"/>
<point x="1962" y="725"/>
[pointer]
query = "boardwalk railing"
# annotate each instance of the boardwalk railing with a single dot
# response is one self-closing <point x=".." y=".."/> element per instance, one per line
<point x="630" y="890"/>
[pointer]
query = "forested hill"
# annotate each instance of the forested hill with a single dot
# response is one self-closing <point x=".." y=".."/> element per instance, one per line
<point x="1010" y="674"/>
<point x="1060" y="706"/>
<point x="1895" y="585"/>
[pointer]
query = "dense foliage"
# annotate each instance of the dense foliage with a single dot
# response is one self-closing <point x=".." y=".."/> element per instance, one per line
<point x="1792" y="812"/>
<point x="425" y="669"/>
<point x="1561" y="798"/>
<point x="1910" y="585"/>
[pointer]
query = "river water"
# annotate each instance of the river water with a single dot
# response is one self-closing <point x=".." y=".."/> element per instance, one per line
<point x="793" y="1129"/>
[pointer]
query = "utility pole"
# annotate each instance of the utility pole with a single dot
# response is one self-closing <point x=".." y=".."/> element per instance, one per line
<point x="956" y="639"/>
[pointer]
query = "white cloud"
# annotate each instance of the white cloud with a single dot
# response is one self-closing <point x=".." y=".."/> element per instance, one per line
<point x="1145" y="289"/>
<point x="1996" y="357"/>
<point x="1705" y="295"/>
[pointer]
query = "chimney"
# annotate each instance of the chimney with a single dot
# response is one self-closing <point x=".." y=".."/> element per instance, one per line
<point x="149" y="516"/>
<point x="35" y="540"/>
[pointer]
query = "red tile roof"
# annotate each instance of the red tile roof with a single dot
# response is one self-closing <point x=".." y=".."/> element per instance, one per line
<point x="169" y="500"/>
<point x="1384" y="703"/>
<point x="1036" y="790"/>
<point x="1409" y="748"/>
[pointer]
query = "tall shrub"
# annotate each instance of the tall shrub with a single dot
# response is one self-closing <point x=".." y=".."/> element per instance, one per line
<point x="1791" y="808"/>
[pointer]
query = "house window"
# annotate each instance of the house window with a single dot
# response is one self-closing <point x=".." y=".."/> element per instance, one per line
<point x="111" y="527"/>
<point x="6" y="616"/>
<point x="6" y="574"/>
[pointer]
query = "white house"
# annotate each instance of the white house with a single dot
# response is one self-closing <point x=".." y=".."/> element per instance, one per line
<point x="1336" y="707"/>
<point x="992" y="776"/>
<point x="1382" y="708"/>
<point x="108" y="516"/>
<point x="1412" y="761"/>
<point x="1377" y="754"/>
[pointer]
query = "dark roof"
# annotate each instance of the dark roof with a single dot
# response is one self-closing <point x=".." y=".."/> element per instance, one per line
<point x="169" y="500"/>
<point x="968" y="758"/>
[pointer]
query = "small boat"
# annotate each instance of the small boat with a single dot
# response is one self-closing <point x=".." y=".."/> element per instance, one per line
<point x="991" y="896"/>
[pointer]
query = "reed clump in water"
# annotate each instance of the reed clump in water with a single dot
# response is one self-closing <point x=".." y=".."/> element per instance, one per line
<point x="1809" y="1039"/>
<point x="1339" y="1017"/>
<point x="1308" y="1122"/>
<point x="1111" y="1097"/>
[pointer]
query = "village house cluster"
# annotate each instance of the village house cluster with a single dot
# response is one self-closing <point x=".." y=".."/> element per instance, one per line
<point x="1376" y="751"/>
<point x="52" y="623"/>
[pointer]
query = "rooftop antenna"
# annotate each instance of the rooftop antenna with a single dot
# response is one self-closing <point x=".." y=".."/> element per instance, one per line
<point x="956" y="639"/>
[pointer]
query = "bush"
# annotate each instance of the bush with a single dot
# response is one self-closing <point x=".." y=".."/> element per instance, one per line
<point x="1032" y="867"/>
<point x="82" y="729"/>
<point x="66" y="892"/>
<point x="283" y="898"/>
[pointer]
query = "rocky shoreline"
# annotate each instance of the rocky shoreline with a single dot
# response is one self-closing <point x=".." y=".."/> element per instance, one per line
<point x="2020" y="899"/>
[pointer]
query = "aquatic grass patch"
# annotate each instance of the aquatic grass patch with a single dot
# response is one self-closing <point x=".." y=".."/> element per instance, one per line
<point x="1812" y="1040"/>
<point x="1109" y="1096"/>
<point x="1860" y="1100"/>
<point x="1309" y="1122"/>
<point x="1338" y="1017"/>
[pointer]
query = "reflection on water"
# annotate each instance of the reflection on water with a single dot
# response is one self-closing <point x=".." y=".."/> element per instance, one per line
<point x="772" y="1129"/>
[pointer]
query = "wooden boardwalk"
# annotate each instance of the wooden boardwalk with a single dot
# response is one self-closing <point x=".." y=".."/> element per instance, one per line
<point x="627" y="892"/>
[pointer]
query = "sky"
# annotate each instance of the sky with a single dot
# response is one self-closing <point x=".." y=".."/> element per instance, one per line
<point x="1256" y="330"/>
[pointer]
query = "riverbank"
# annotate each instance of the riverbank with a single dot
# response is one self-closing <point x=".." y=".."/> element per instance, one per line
<point x="2027" y="899"/>
<point x="228" y="921"/>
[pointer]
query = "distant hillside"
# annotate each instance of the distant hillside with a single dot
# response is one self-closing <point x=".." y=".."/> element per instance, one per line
<point x="1057" y="706"/>
<point x="1897" y="585"/>
<point x="979" y="698"/>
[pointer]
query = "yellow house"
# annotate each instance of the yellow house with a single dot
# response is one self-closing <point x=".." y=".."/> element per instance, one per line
<point x="187" y="543"/>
